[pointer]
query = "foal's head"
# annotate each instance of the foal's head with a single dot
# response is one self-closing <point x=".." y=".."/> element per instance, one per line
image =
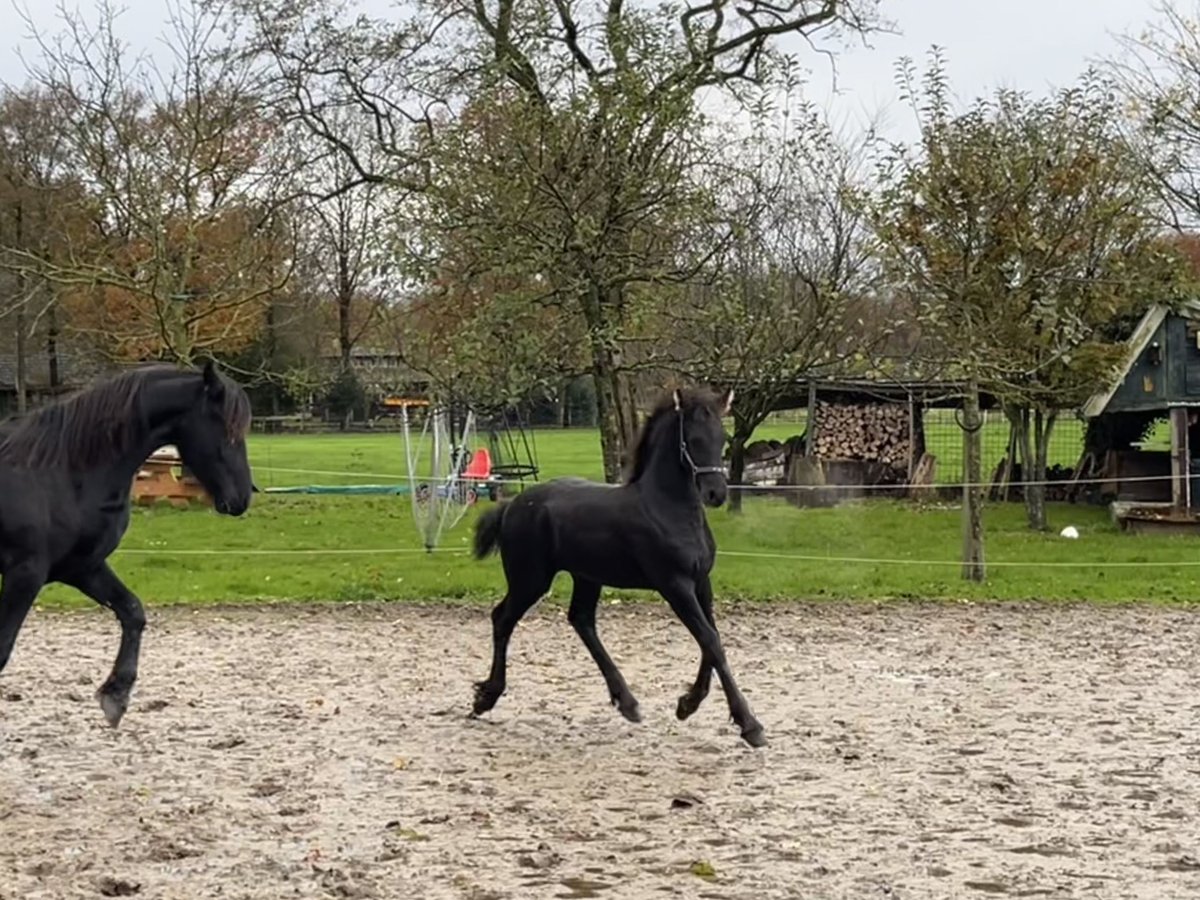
<point x="687" y="426"/>
<point x="211" y="438"/>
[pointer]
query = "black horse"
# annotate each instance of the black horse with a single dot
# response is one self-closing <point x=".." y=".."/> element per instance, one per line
<point x="650" y="532"/>
<point x="66" y="473"/>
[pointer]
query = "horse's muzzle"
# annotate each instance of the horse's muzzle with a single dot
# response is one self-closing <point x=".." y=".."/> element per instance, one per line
<point x="713" y="490"/>
<point x="234" y="507"/>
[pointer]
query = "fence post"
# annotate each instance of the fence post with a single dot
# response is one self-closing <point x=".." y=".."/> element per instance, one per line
<point x="810" y="428"/>
<point x="1180" y="464"/>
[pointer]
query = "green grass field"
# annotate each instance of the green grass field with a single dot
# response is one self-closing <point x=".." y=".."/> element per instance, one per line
<point x="353" y="548"/>
<point x="281" y="460"/>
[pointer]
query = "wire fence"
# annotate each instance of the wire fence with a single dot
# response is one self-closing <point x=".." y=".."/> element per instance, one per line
<point x="943" y="439"/>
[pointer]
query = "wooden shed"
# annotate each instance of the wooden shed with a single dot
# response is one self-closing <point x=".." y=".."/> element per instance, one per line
<point x="1159" y="377"/>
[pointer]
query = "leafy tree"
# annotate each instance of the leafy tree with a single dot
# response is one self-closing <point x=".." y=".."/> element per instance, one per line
<point x="569" y="143"/>
<point x="1019" y="228"/>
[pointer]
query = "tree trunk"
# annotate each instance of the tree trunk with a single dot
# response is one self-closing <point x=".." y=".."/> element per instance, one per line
<point x="973" y="568"/>
<point x="1018" y="416"/>
<point x="613" y="405"/>
<point x="615" y="410"/>
<point x="21" y="374"/>
<point x="22" y="301"/>
<point x="562" y="405"/>
<point x="345" y="342"/>
<point x="1035" y="494"/>
<point x="737" y="463"/>
<point x="52" y="345"/>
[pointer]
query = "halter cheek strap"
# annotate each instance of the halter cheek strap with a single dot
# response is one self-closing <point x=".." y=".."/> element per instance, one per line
<point x="686" y="456"/>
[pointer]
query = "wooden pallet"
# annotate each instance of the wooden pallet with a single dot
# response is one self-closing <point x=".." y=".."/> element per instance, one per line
<point x="161" y="479"/>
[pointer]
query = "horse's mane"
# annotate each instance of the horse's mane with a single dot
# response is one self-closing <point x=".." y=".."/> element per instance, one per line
<point x="689" y="399"/>
<point x="100" y="423"/>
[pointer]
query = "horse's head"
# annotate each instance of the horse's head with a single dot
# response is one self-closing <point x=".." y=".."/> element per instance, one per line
<point x="702" y="442"/>
<point x="211" y="438"/>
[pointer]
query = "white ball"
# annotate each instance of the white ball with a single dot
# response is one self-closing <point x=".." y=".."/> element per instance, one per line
<point x="1069" y="532"/>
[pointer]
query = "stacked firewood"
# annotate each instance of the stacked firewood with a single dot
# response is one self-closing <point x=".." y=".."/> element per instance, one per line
<point x="875" y="431"/>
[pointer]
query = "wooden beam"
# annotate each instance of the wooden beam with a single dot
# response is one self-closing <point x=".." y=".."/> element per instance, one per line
<point x="810" y="431"/>
<point x="1180" y="458"/>
<point x="912" y="437"/>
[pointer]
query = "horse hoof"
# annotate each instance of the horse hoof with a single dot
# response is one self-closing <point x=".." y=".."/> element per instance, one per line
<point x="485" y="698"/>
<point x="631" y="712"/>
<point x="113" y="706"/>
<point x="755" y="737"/>
<point x="686" y="707"/>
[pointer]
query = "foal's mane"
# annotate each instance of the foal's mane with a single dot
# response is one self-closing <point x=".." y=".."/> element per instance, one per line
<point x="689" y="399"/>
<point x="100" y="423"/>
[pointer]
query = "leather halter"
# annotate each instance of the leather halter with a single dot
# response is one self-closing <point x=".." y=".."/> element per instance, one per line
<point x="686" y="456"/>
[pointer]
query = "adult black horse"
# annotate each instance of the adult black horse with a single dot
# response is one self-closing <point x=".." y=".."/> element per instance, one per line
<point x="650" y="532"/>
<point x="65" y="476"/>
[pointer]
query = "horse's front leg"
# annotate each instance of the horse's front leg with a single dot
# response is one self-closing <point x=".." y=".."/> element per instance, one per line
<point x="103" y="586"/>
<point x="690" y="702"/>
<point x="21" y="583"/>
<point x="681" y="594"/>
<point x="582" y="616"/>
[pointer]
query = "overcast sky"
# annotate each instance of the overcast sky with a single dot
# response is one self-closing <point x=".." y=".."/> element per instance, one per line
<point x="1026" y="44"/>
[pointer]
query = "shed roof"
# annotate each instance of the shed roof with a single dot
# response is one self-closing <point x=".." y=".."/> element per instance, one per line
<point x="1135" y="346"/>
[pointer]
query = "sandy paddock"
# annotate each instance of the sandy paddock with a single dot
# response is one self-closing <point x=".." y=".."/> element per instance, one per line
<point x="917" y="751"/>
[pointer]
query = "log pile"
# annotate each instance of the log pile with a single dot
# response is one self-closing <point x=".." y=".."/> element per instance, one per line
<point x="878" y="432"/>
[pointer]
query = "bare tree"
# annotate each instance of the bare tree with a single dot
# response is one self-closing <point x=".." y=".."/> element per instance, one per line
<point x="1158" y="71"/>
<point x="793" y="295"/>
<point x="38" y="207"/>
<point x="186" y="233"/>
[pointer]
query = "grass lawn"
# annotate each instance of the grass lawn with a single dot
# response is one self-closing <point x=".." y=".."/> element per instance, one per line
<point x="771" y="551"/>
<point x="347" y="548"/>
<point x="293" y="459"/>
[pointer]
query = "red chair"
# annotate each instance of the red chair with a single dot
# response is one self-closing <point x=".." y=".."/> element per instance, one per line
<point x="480" y="466"/>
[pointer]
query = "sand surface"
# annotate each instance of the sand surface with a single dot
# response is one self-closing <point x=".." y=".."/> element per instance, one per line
<point x="917" y="751"/>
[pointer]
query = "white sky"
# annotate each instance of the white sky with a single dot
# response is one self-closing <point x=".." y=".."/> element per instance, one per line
<point x="1025" y="44"/>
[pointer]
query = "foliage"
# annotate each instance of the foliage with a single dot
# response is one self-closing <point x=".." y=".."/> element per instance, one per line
<point x="185" y="237"/>
<point x="1023" y="227"/>
<point x="565" y="142"/>
<point x="1019" y="231"/>
<point x="346" y="395"/>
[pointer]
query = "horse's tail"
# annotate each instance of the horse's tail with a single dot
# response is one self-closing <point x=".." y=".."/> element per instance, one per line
<point x="487" y="530"/>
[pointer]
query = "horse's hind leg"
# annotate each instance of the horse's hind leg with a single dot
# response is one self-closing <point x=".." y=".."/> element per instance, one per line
<point x="582" y="615"/>
<point x="681" y="595"/>
<point x="103" y="586"/>
<point x="690" y="702"/>
<point x="21" y="583"/>
<point x="522" y="594"/>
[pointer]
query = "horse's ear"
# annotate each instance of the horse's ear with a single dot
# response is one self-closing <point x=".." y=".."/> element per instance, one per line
<point x="678" y="400"/>
<point x="727" y="403"/>
<point x="212" y="381"/>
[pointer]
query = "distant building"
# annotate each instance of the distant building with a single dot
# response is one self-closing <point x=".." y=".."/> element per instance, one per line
<point x="382" y="372"/>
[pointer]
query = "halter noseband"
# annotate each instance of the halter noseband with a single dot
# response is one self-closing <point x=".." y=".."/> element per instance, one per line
<point x="686" y="456"/>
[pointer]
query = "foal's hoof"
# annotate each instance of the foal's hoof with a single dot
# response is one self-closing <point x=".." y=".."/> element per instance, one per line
<point x="113" y="706"/>
<point x="485" y="698"/>
<point x="755" y="736"/>
<point x="629" y="710"/>
<point x="686" y="707"/>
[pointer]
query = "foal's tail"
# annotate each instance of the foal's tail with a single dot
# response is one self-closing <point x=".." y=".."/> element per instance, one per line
<point x="487" y="530"/>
